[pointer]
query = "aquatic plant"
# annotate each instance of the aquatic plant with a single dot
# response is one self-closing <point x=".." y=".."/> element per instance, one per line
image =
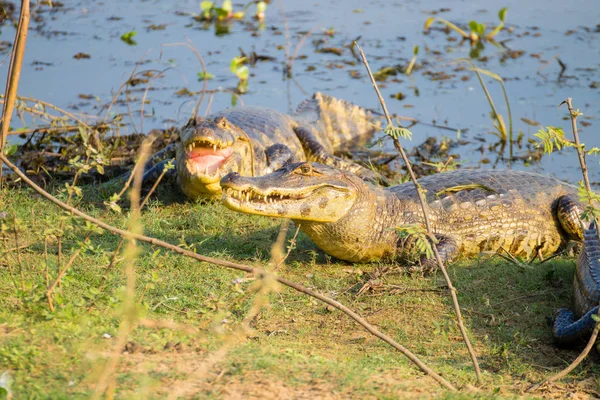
<point x="477" y="29"/>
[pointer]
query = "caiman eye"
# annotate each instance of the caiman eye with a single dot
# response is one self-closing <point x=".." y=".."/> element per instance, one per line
<point x="221" y="122"/>
<point x="304" y="169"/>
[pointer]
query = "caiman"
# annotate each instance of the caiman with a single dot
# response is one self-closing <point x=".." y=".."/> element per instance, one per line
<point x="471" y="211"/>
<point x="254" y="141"/>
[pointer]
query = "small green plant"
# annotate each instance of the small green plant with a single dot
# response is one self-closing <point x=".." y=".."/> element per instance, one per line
<point x="127" y="37"/>
<point x="477" y="29"/>
<point x="209" y="11"/>
<point x="505" y="134"/>
<point x="205" y="76"/>
<point x="239" y="68"/>
<point x="413" y="60"/>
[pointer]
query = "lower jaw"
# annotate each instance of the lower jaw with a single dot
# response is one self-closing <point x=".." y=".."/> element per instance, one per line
<point x="201" y="187"/>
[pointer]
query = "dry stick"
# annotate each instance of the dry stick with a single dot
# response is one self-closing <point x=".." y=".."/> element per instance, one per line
<point x="588" y="188"/>
<point x="419" y="190"/>
<point x="159" y="75"/>
<point x="240" y="267"/>
<point x="106" y="382"/>
<point x="63" y="271"/>
<point x="55" y="108"/>
<point x="46" y="274"/>
<point x="8" y="264"/>
<point x="21" y="272"/>
<point x="205" y="83"/>
<point x="14" y="71"/>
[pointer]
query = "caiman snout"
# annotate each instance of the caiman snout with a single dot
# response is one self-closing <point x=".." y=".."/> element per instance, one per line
<point x="228" y="179"/>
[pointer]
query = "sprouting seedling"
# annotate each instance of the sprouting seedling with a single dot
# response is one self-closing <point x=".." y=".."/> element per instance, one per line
<point x="477" y="30"/>
<point x="413" y="60"/>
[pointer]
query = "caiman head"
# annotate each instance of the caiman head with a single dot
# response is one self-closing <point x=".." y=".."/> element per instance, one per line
<point x="207" y="150"/>
<point x="300" y="191"/>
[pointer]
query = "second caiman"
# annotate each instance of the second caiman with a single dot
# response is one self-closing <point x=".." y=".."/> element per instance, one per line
<point x="471" y="211"/>
<point x="254" y="141"/>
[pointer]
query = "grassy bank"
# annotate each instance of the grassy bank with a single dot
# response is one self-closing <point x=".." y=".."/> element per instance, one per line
<point x="189" y="338"/>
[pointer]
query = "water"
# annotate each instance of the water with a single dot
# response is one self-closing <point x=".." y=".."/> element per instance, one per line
<point x="388" y="31"/>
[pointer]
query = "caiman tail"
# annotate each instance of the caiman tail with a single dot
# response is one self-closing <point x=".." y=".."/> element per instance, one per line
<point x="572" y="327"/>
<point x="340" y="124"/>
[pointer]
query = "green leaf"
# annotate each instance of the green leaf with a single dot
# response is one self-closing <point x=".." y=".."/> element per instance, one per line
<point x="221" y="13"/>
<point x="502" y="14"/>
<point x="242" y="73"/>
<point x="261" y="7"/>
<point x="227" y="6"/>
<point x="396" y="133"/>
<point x="428" y="23"/>
<point x="416" y="50"/>
<point x="202" y="76"/>
<point x="236" y="62"/>
<point x="205" y="6"/>
<point x="10" y="149"/>
<point x="595" y="317"/>
<point x="127" y="37"/>
<point x="473" y="26"/>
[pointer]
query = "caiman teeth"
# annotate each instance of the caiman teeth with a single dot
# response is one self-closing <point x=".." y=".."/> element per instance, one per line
<point x="249" y="195"/>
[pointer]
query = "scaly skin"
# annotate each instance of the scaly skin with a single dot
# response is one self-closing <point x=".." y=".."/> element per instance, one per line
<point x="255" y="141"/>
<point x="470" y="211"/>
<point x="574" y="326"/>
<point x="518" y="211"/>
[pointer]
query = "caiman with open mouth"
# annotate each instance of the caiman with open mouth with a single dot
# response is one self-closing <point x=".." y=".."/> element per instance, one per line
<point x="471" y="211"/>
<point x="254" y="141"/>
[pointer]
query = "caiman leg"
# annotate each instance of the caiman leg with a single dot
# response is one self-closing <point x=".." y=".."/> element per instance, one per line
<point x="277" y="156"/>
<point x="568" y="210"/>
<point x="317" y="153"/>
<point x="447" y="248"/>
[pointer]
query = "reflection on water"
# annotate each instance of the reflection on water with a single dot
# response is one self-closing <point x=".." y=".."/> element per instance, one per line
<point x="75" y="59"/>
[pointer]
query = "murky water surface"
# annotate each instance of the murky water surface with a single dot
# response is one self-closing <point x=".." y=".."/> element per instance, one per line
<point x="439" y="91"/>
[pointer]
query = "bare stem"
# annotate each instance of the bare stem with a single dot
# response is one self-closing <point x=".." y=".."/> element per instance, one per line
<point x="21" y="272"/>
<point x="240" y="267"/>
<point x="14" y="71"/>
<point x="438" y="258"/>
<point x="63" y="271"/>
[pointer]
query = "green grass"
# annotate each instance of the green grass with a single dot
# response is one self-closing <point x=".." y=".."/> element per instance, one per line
<point x="296" y="346"/>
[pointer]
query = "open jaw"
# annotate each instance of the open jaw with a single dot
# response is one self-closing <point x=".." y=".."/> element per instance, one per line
<point x="206" y="157"/>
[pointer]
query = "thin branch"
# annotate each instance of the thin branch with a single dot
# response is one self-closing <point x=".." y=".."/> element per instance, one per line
<point x="240" y="267"/>
<point x="419" y="190"/>
<point x="588" y="188"/>
<point x="205" y="82"/>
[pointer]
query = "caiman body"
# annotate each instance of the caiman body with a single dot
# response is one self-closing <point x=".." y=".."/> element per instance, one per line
<point x="470" y="211"/>
<point x="254" y="141"/>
